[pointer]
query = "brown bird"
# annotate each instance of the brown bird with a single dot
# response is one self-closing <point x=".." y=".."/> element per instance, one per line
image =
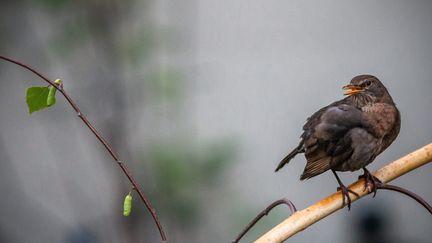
<point x="350" y="133"/>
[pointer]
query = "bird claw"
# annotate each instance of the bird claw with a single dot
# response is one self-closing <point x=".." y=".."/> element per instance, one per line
<point x="345" y="193"/>
<point x="371" y="182"/>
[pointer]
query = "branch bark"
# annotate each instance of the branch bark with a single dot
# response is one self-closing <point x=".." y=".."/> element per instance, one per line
<point x="306" y="217"/>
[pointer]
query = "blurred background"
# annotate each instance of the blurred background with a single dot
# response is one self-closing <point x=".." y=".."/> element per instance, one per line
<point x="201" y="99"/>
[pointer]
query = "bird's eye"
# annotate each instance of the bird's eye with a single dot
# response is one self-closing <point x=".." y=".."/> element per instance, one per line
<point x="368" y="83"/>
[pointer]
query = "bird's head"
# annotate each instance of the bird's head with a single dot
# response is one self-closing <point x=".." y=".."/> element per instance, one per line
<point x="367" y="88"/>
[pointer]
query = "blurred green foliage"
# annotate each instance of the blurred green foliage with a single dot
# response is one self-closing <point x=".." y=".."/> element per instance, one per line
<point x="72" y="34"/>
<point x="166" y="84"/>
<point x="182" y="172"/>
<point x="53" y="4"/>
<point x="181" y="177"/>
<point x="139" y="47"/>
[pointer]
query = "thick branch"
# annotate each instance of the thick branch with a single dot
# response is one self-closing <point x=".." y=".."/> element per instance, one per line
<point x="101" y="139"/>
<point x="306" y="217"/>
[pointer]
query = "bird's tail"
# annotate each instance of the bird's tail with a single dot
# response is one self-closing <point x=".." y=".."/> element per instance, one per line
<point x="286" y="160"/>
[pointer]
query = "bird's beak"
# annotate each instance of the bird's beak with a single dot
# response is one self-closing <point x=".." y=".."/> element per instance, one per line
<point x="352" y="89"/>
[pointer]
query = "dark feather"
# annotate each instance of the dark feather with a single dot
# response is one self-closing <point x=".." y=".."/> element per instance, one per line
<point x="324" y="141"/>
<point x="292" y="154"/>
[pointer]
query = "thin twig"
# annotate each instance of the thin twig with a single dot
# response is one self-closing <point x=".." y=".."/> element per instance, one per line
<point x="302" y="219"/>
<point x="101" y="139"/>
<point x="263" y="213"/>
<point x="408" y="193"/>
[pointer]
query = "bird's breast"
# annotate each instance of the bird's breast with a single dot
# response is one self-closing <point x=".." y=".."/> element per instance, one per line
<point x="379" y="118"/>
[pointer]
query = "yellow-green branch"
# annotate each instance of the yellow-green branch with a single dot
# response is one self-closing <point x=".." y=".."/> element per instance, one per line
<point x="312" y="214"/>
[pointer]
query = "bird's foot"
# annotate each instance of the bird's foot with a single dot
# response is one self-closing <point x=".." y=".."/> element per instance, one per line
<point x="345" y="194"/>
<point x="371" y="182"/>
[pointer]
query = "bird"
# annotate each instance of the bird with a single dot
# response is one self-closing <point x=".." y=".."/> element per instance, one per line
<point x="347" y="135"/>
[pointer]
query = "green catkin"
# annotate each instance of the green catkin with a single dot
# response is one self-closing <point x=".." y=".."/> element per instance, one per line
<point x="127" y="205"/>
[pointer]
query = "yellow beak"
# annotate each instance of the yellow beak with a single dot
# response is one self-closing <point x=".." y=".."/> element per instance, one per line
<point x="352" y="89"/>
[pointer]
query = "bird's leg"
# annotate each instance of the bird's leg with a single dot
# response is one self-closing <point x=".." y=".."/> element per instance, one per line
<point x="371" y="181"/>
<point x="345" y="191"/>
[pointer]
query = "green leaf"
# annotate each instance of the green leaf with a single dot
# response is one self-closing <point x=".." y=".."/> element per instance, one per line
<point x="39" y="98"/>
<point x="36" y="98"/>
<point x="127" y="205"/>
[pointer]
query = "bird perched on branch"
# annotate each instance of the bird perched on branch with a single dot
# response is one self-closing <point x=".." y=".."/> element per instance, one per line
<point x="350" y="133"/>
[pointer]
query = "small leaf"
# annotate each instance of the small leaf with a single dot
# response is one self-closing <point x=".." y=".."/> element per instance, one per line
<point x="39" y="98"/>
<point x="36" y="98"/>
<point x="51" y="100"/>
<point x="127" y="205"/>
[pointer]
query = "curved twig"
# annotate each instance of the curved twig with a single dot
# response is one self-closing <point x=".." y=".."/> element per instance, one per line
<point x="302" y="219"/>
<point x="109" y="149"/>
<point x="408" y="193"/>
<point x="263" y="213"/>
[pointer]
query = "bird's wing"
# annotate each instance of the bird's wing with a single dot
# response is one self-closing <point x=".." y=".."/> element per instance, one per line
<point x="324" y="138"/>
